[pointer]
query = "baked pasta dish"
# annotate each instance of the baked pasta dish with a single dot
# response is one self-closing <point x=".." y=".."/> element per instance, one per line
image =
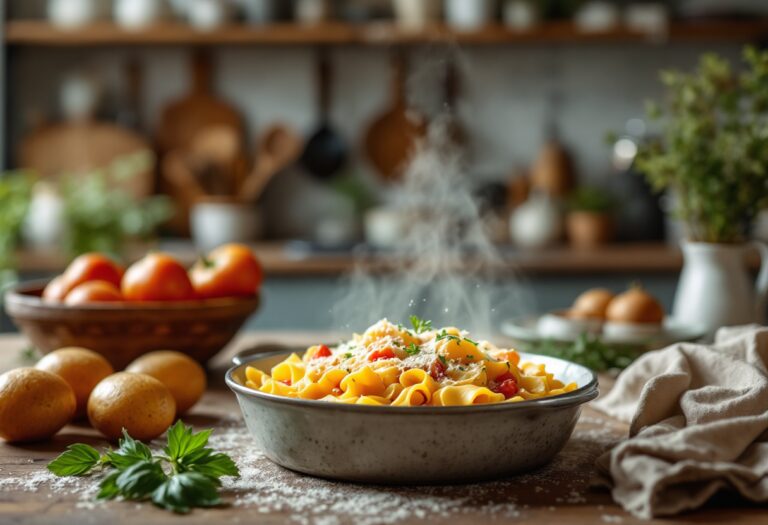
<point x="393" y="365"/>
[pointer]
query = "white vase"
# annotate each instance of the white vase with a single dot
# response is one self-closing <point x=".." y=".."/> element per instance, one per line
<point x="715" y="288"/>
<point x="469" y="15"/>
<point x="536" y="223"/>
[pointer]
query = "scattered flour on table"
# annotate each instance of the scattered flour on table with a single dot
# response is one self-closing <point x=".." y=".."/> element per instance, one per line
<point x="265" y="488"/>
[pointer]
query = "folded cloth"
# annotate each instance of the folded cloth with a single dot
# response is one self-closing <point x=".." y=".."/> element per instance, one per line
<point x="698" y="423"/>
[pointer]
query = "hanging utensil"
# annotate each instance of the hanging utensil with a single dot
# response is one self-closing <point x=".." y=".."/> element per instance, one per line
<point x="278" y="148"/>
<point x="392" y="137"/>
<point x="326" y="151"/>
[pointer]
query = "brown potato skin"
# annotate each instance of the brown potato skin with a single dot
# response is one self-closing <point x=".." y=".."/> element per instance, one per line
<point x="34" y="405"/>
<point x="139" y="403"/>
<point x="81" y="368"/>
<point x="183" y="376"/>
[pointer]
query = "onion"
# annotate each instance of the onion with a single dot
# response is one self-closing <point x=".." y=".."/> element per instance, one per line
<point x="635" y="306"/>
<point x="591" y="304"/>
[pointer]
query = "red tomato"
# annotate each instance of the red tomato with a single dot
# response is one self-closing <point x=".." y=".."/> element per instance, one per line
<point x="228" y="271"/>
<point x="437" y="370"/>
<point x="387" y="353"/>
<point x="85" y="268"/>
<point x="93" y="292"/>
<point x="157" y="277"/>
<point x="506" y="384"/>
<point x="322" y="351"/>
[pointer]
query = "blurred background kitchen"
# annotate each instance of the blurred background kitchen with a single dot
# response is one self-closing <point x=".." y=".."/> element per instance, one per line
<point x="182" y="124"/>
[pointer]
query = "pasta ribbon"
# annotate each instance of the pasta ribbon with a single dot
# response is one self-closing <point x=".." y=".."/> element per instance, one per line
<point x="392" y="365"/>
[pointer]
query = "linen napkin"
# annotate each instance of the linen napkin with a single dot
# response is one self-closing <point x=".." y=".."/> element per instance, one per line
<point x="698" y="419"/>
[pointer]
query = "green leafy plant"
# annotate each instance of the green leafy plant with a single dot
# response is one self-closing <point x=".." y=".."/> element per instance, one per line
<point x="15" y="195"/>
<point x="185" y="475"/>
<point x="713" y="149"/>
<point x="590" y="351"/>
<point x="101" y="217"/>
<point x="591" y="199"/>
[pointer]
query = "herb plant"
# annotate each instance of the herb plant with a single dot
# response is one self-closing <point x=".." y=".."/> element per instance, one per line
<point x="591" y="199"/>
<point x="713" y="150"/>
<point x="15" y="195"/>
<point x="101" y="217"/>
<point x="187" y="474"/>
<point x="590" y="351"/>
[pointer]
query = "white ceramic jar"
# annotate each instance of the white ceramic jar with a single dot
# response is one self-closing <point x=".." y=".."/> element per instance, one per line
<point x="469" y="15"/>
<point x="71" y="14"/>
<point x="137" y="14"/>
<point x="214" y="223"/>
<point x="207" y="15"/>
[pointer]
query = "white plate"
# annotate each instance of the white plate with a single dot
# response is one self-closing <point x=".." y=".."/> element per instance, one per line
<point x="527" y="329"/>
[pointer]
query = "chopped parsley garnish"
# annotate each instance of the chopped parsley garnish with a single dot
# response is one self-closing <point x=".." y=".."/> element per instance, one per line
<point x="420" y="325"/>
<point x="348" y="355"/>
<point x="444" y="335"/>
<point x="470" y="356"/>
<point x="467" y="339"/>
<point x="412" y="349"/>
<point x="442" y="359"/>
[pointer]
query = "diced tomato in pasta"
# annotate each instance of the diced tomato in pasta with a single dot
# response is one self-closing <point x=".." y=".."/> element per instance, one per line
<point x="322" y="351"/>
<point x="386" y="353"/>
<point x="506" y="384"/>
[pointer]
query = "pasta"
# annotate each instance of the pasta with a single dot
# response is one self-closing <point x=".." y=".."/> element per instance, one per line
<point x="392" y="365"/>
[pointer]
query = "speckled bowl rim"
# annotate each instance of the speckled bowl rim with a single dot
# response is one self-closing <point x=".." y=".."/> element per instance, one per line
<point x="581" y="395"/>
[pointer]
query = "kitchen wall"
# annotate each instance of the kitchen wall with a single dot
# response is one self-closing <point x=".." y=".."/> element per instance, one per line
<point x="506" y="100"/>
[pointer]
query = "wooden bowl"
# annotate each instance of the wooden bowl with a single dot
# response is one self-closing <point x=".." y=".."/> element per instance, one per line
<point x="121" y="332"/>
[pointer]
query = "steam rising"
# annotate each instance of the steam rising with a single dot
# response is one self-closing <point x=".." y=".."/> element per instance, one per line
<point x="446" y="268"/>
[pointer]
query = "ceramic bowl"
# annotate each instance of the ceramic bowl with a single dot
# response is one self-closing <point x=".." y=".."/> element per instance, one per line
<point x="411" y="445"/>
<point x="121" y="332"/>
<point x="556" y="325"/>
<point x="632" y="332"/>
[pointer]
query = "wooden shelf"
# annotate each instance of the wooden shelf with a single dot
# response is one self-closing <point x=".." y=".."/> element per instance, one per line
<point x="41" y="33"/>
<point x="280" y="259"/>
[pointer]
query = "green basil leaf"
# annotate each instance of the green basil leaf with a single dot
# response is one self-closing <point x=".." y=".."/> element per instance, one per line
<point x="206" y="462"/>
<point x="182" y="441"/>
<point x="129" y="452"/>
<point x="79" y="459"/>
<point x="108" y="488"/>
<point x="186" y="490"/>
<point x="140" y="479"/>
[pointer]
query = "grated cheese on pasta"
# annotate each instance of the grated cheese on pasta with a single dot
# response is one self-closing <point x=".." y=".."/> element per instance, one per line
<point x="391" y="365"/>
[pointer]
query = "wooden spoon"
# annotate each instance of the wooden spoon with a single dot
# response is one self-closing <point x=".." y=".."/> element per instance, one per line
<point x="391" y="138"/>
<point x="278" y="148"/>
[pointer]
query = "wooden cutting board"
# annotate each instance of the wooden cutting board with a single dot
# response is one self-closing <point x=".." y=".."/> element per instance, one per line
<point x="183" y="120"/>
<point x="199" y="109"/>
<point x="392" y="137"/>
<point x="79" y="147"/>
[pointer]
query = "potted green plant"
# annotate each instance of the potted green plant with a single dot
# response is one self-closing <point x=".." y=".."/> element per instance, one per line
<point x="590" y="221"/>
<point x="15" y="193"/>
<point x="712" y="156"/>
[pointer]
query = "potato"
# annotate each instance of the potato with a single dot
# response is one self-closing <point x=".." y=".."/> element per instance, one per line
<point x="183" y="376"/>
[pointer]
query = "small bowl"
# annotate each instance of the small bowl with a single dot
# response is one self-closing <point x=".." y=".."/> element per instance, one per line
<point x="556" y="325"/>
<point x="121" y="332"/>
<point x="632" y="332"/>
<point x="411" y="445"/>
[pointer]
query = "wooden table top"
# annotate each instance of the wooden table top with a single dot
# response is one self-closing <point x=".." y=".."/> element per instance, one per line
<point x="561" y="492"/>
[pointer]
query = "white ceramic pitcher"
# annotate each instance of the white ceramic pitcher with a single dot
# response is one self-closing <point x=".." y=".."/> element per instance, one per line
<point x="715" y="288"/>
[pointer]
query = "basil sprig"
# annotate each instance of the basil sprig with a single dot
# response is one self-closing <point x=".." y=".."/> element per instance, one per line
<point x="186" y="475"/>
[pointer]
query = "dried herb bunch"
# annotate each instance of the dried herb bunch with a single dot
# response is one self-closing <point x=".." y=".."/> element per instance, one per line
<point x="713" y="149"/>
